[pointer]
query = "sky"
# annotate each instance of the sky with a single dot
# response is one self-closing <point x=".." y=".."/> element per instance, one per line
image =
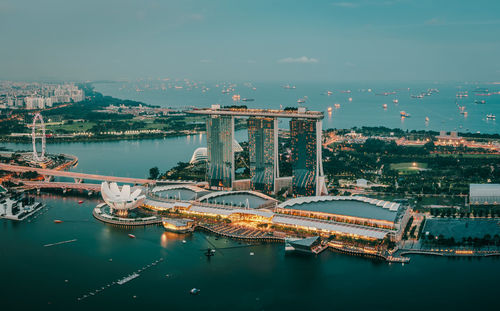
<point x="365" y="40"/>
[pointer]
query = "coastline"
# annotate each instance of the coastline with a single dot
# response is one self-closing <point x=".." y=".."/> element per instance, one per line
<point x="26" y="140"/>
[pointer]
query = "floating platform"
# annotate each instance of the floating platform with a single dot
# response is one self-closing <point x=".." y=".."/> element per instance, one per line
<point x="127" y="278"/>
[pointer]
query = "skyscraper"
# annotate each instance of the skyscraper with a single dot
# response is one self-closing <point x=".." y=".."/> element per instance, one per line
<point x="307" y="165"/>
<point x="220" y="170"/>
<point x="305" y="133"/>
<point x="263" y="153"/>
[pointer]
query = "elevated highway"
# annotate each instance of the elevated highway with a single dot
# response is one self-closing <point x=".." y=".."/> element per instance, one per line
<point x="79" y="177"/>
<point x="61" y="185"/>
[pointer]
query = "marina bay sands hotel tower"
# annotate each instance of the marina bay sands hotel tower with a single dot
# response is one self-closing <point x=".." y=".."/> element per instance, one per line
<point x="305" y="134"/>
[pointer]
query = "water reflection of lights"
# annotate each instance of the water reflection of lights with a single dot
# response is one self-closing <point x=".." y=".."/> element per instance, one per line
<point x="164" y="240"/>
<point x="106" y="233"/>
<point x="170" y="236"/>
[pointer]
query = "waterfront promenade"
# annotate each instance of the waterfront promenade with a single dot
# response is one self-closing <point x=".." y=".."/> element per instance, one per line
<point x="448" y="252"/>
<point x="240" y="233"/>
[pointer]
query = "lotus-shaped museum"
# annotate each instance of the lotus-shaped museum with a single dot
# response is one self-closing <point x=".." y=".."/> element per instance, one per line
<point x="121" y="200"/>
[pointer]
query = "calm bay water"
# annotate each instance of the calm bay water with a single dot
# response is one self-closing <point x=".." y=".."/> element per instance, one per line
<point x="365" y="109"/>
<point x="33" y="276"/>
<point x="129" y="158"/>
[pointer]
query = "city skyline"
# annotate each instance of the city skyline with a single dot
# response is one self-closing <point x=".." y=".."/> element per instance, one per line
<point x="249" y="155"/>
<point x="407" y="40"/>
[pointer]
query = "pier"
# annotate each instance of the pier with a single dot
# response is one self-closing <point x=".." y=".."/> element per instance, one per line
<point x="28" y="211"/>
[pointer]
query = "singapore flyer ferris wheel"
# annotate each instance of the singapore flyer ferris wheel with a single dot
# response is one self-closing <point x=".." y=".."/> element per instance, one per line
<point x="36" y="157"/>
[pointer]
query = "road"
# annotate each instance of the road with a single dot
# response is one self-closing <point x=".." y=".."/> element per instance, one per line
<point x="83" y="176"/>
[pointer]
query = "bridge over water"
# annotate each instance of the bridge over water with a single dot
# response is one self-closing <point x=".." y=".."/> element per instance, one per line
<point x="79" y="177"/>
<point x="61" y="185"/>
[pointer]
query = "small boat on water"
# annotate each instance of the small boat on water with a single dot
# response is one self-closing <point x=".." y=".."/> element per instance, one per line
<point x="480" y="102"/>
<point x="350" y="99"/>
<point x="395" y="101"/>
<point x="57" y="221"/>
<point x="130" y="235"/>
<point x="404" y="114"/>
<point x="248" y="99"/>
<point x="491" y="116"/>
<point x="385" y="106"/>
<point x="80" y="202"/>
<point x="330" y="109"/>
<point x="426" y="119"/>
<point x="337" y="106"/>
<point x="301" y="101"/>
<point x="194" y="291"/>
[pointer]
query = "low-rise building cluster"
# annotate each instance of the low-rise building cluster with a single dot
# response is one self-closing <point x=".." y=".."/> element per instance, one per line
<point x="24" y="95"/>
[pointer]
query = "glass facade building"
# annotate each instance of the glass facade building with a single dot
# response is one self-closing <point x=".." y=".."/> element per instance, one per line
<point x="307" y="166"/>
<point x="220" y="155"/>
<point x="263" y="146"/>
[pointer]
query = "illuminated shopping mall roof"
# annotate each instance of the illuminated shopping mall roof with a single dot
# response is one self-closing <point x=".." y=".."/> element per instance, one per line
<point x="355" y="206"/>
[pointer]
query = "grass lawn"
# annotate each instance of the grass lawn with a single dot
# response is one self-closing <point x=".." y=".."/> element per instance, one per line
<point x="462" y="228"/>
<point x="408" y="167"/>
<point x="74" y="127"/>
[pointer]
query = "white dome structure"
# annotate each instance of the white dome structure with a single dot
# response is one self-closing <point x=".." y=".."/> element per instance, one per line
<point x="199" y="155"/>
<point x="121" y="200"/>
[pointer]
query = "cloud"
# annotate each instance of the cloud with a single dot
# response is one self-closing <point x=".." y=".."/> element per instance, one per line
<point x="301" y="60"/>
<point x="349" y="5"/>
